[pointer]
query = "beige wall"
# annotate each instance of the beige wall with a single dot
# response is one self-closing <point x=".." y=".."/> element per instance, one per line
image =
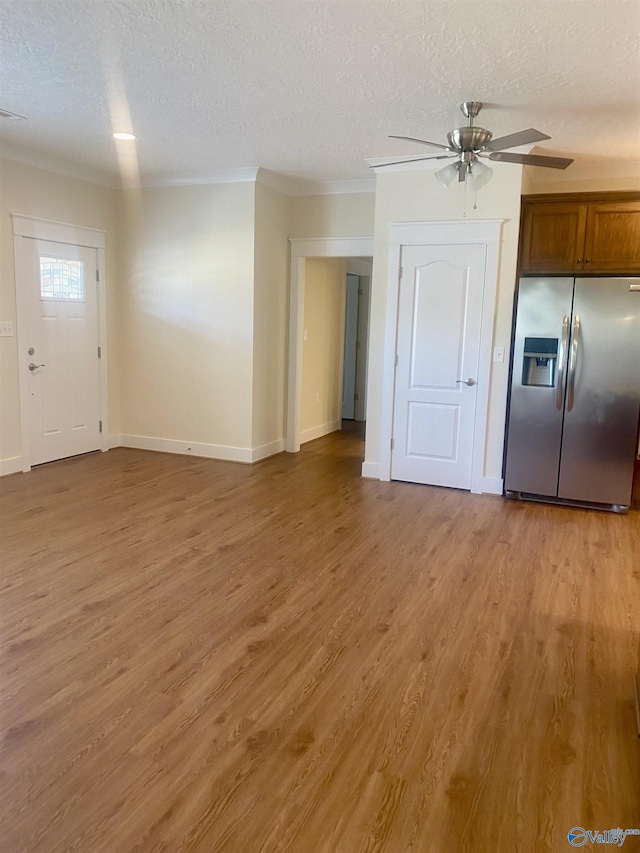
<point x="270" y="317"/>
<point x="406" y="196"/>
<point x="324" y="309"/>
<point x="582" y="177"/>
<point x="47" y="195"/>
<point x="188" y="314"/>
<point x="345" y="215"/>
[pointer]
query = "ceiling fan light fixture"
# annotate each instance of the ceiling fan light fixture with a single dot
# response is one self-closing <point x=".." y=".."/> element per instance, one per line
<point x="448" y="174"/>
<point x="127" y="137"/>
<point x="481" y="174"/>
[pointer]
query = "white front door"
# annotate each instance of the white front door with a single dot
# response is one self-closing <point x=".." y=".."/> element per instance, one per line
<point x="438" y="350"/>
<point x="59" y="347"/>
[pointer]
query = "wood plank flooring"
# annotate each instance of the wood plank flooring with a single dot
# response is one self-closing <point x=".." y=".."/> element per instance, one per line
<point x="203" y="656"/>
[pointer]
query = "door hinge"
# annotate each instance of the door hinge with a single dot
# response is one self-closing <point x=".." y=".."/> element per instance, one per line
<point x="355" y="397"/>
<point x="99" y="352"/>
<point x="359" y="291"/>
<point x="399" y="272"/>
<point x="396" y="360"/>
<point x="357" y="344"/>
<point x="392" y="443"/>
<point x="99" y="426"/>
<point x="97" y="275"/>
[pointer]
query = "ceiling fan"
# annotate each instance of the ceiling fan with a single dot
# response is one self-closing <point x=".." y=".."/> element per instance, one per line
<point x="468" y="144"/>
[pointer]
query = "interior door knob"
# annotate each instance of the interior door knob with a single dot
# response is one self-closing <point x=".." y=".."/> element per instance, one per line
<point x="467" y="381"/>
<point x="33" y="366"/>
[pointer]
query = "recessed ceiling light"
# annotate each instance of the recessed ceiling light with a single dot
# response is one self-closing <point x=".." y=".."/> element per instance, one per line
<point x="128" y="136"/>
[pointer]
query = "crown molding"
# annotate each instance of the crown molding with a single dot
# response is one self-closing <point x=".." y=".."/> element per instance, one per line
<point x="285" y="184"/>
<point x="245" y="174"/>
<point x="59" y="166"/>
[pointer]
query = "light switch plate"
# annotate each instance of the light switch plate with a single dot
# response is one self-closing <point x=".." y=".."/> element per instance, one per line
<point x="498" y="355"/>
<point x="6" y="329"/>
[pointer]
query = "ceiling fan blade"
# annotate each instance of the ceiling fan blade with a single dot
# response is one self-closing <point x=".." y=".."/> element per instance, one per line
<point x="523" y="137"/>
<point x="532" y="160"/>
<point x="423" y="142"/>
<point x="415" y="160"/>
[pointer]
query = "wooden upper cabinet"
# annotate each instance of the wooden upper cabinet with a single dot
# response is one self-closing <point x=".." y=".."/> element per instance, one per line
<point x="586" y="233"/>
<point x="553" y="237"/>
<point x="612" y="241"/>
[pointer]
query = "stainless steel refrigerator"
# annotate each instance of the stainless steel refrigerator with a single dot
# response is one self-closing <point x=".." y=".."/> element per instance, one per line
<point x="572" y="432"/>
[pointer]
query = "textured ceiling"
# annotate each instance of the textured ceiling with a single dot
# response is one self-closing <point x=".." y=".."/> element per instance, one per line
<point x="310" y="89"/>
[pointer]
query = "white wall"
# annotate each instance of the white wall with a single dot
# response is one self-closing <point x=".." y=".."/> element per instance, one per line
<point x="406" y="196"/>
<point x="344" y="215"/>
<point x="324" y="310"/>
<point x="188" y="316"/>
<point x="47" y="195"/>
<point x="270" y="318"/>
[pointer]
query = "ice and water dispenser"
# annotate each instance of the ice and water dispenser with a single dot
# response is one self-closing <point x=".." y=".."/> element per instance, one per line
<point x="540" y="361"/>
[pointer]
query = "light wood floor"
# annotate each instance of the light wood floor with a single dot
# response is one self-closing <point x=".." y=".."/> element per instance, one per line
<point x="203" y="656"/>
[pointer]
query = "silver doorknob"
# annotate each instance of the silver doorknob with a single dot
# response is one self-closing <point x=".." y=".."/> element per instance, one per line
<point x="33" y="366"/>
<point x="467" y="381"/>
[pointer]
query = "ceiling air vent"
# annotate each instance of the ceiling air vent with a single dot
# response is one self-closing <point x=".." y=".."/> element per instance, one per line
<point x="10" y="116"/>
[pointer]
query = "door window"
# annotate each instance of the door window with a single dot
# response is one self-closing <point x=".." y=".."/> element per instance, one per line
<point x="61" y="279"/>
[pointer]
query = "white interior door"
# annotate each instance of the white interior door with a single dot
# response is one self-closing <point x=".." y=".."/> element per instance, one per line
<point x="438" y="350"/>
<point x="59" y="347"/>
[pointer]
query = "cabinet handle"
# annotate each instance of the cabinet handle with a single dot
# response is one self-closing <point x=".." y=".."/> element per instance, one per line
<point x="578" y="260"/>
<point x="587" y="260"/>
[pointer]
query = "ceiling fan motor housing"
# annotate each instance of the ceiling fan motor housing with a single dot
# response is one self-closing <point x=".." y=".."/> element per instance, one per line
<point x="469" y="138"/>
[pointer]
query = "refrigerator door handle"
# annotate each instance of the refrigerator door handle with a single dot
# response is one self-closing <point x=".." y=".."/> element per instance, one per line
<point x="573" y="360"/>
<point x="562" y="358"/>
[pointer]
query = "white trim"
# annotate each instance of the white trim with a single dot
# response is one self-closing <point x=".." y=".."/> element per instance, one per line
<point x="490" y="486"/>
<point x="10" y="466"/>
<point x="445" y="233"/>
<point x="371" y="470"/>
<point x="320" y="430"/>
<point x="266" y="450"/>
<point x="246" y="174"/>
<point x="302" y="248"/>
<point x="187" y="448"/>
<point x="76" y="235"/>
<point x="114" y="440"/>
<point x="488" y="233"/>
<point x="57" y="232"/>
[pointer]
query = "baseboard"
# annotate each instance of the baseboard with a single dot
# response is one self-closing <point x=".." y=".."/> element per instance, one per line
<point x="371" y="470"/>
<point x="319" y="431"/>
<point x="266" y="450"/>
<point x="115" y="440"/>
<point x="10" y="466"/>
<point x="188" y="448"/>
<point x="490" y="486"/>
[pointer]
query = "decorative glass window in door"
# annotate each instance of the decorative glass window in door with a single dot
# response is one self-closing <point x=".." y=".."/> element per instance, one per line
<point x="61" y="278"/>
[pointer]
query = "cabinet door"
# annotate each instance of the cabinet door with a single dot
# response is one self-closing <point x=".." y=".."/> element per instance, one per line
<point x="553" y="237"/>
<point x="613" y="237"/>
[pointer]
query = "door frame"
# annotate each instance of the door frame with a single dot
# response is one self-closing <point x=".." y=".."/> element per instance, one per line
<point x="486" y="232"/>
<point x="75" y="235"/>
<point x="301" y="249"/>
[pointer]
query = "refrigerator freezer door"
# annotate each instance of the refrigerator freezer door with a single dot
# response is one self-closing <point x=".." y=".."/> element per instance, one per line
<point x="600" y="430"/>
<point x="536" y="408"/>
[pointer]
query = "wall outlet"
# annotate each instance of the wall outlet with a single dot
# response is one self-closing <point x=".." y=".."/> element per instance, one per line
<point x="6" y="329"/>
<point x="317" y="397"/>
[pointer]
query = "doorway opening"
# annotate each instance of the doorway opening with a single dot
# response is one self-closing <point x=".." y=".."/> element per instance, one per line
<point x="318" y="332"/>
